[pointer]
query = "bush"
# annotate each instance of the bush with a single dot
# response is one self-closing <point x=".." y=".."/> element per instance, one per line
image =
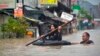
<point x="15" y="27"/>
<point x="85" y="14"/>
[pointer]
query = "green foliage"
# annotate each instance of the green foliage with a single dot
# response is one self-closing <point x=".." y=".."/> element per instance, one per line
<point x="15" y="26"/>
<point x="85" y="14"/>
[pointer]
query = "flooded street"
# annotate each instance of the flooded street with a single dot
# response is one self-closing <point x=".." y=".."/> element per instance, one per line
<point x="16" y="47"/>
<point x="36" y="17"/>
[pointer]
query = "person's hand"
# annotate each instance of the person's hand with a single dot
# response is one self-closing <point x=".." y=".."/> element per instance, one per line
<point x="65" y="21"/>
<point x="59" y="27"/>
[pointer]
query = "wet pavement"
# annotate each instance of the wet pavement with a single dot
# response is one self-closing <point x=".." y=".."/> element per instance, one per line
<point x="16" y="47"/>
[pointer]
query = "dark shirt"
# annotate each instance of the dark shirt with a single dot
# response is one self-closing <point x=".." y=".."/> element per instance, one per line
<point x="59" y="36"/>
<point x="55" y="36"/>
<point x="88" y="42"/>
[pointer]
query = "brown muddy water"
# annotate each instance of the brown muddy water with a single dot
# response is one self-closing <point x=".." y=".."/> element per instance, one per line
<point x="16" y="47"/>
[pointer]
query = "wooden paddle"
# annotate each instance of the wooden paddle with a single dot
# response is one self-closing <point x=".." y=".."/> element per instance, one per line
<point x="45" y="35"/>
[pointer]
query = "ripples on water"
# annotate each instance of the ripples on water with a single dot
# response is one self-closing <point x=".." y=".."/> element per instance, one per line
<point x="16" y="47"/>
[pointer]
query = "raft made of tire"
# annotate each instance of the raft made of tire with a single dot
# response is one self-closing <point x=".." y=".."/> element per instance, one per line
<point x="50" y="42"/>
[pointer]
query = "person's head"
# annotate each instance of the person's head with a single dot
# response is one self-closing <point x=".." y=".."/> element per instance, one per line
<point x="52" y="27"/>
<point x="85" y="36"/>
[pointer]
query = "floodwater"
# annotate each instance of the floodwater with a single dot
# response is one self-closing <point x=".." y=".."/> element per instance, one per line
<point x="16" y="47"/>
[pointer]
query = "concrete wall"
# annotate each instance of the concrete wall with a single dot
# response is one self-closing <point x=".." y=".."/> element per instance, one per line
<point x="3" y="18"/>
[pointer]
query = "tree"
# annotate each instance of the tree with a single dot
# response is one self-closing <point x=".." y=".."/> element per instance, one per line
<point x="85" y="14"/>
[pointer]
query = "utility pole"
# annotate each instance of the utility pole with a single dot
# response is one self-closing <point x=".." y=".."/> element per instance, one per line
<point x="69" y="3"/>
<point x="17" y="1"/>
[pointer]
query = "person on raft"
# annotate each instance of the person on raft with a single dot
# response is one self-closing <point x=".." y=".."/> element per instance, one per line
<point x="56" y="35"/>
